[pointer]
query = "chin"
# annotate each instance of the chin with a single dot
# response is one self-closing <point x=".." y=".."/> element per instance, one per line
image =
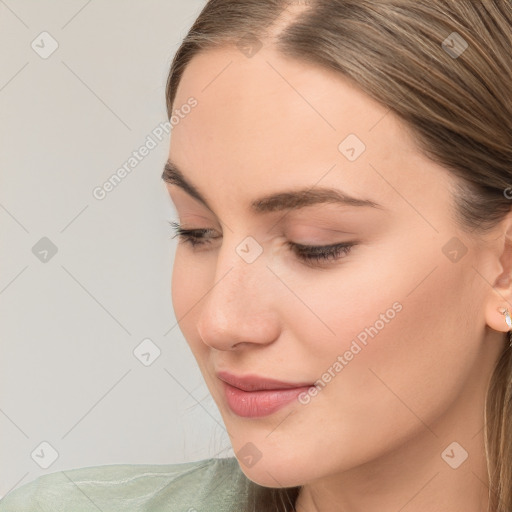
<point x="271" y="477"/>
<point x="273" y="468"/>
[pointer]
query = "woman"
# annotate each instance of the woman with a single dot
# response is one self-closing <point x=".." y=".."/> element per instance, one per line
<point x="355" y="159"/>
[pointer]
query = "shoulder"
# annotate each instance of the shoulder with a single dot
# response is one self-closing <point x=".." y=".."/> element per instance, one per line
<point x="216" y="485"/>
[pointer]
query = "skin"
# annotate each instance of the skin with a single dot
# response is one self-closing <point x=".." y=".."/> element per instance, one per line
<point x="372" y="438"/>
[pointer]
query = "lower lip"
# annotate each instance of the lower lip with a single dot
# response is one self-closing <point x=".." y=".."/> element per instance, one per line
<point x="254" y="404"/>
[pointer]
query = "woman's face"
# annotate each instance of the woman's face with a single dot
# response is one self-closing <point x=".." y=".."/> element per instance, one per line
<point x="391" y="331"/>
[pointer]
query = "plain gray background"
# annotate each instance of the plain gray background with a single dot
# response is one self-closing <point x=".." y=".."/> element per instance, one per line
<point x="70" y="321"/>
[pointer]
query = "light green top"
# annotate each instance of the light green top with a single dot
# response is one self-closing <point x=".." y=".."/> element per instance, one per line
<point x="209" y="485"/>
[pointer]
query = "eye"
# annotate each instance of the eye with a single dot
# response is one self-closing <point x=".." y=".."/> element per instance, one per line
<point x="192" y="237"/>
<point x="309" y="254"/>
<point x="321" y="254"/>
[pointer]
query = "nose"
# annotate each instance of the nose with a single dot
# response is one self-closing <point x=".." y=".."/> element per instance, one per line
<point x="240" y="308"/>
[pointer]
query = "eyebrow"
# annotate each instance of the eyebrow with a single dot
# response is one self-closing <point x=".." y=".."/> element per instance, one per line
<point x="286" y="200"/>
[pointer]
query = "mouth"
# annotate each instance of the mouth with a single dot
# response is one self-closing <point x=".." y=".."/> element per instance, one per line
<point x="254" y="396"/>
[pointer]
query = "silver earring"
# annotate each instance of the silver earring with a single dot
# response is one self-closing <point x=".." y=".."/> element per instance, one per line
<point x="504" y="311"/>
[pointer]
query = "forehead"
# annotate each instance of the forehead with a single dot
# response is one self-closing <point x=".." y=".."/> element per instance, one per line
<point x="268" y="122"/>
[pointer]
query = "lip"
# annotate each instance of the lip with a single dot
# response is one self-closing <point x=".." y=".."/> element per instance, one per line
<point x="253" y="396"/>
<point x="257" y="383"/>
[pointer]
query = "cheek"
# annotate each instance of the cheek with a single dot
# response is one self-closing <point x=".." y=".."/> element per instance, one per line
<point x="401" y="342"/>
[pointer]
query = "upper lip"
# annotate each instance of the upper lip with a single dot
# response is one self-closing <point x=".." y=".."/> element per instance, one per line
<point x="256" y="383"/>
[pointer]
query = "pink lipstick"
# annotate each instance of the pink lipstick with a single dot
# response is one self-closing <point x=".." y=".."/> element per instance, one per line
<point x="252" y="396"/>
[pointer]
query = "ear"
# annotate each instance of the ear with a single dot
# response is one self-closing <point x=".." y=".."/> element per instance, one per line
<point x="500" y="295"/>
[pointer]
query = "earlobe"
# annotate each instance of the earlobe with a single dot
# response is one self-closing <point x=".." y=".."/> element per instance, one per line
<point x="500" y="318"/>
<point x="499" y="306"/>
<point x="506" y="313"/>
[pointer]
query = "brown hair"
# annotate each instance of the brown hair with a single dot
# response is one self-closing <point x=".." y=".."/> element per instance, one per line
<point x="454" y="93"/>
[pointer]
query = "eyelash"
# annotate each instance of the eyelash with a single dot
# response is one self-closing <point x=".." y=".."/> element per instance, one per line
<point x="309" y="254"/>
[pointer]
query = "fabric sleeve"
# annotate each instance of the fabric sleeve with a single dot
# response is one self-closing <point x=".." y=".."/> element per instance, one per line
<point x="210" y="485"/>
